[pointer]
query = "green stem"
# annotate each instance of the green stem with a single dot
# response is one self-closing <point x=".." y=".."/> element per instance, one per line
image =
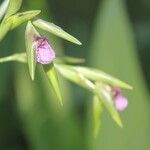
<point x="20" y="57"/>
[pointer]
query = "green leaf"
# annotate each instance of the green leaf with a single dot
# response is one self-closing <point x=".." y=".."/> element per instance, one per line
<point x="30" y="35"/>
<point x="4" y="28"/>
<point x="3" y="8"/>
<point x="53" y="79"/>
<point x="107" y="101"/>
<point x="52" y="28"/>
<point x="75" y="77"/>
<point x="13" y="7"/>
<point x="70" y="60"/>
<point x="97" y="113"/>
<point x="98" y="75"/>
<point x="15" y="20"/>
<point x="20" y="18"/>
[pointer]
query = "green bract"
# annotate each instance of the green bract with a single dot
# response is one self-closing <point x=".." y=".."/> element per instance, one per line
<point x="20" y="18"/>
<point x="56" y="30"/>
<point x="4" y="28"/>
<point x="30" y="35"/>
<point x="107" y="101"/>
<point x="3" y="8"/>
<point x="13" y="7"/>
<point x="96" y="75"/>
<point x="52" y="77"/>
<point x="97" y="113"/>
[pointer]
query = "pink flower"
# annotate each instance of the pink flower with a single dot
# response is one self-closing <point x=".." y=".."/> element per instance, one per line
<point x="120" y="101"/>
<point x="44" y="52"/>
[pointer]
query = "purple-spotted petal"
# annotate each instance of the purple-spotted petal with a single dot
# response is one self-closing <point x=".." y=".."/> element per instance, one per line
<point x="44" y="52"/>
<point x="45" y="55"/>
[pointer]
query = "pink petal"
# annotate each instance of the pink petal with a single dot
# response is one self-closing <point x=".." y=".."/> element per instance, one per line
<point x="121" y="102"/>
<point x="44" y="52"/>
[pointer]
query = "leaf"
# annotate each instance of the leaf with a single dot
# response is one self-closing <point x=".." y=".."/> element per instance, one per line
<point x="52" y="28"/>
<point x="107" y="101"/>
<point x="52" y="77"/>
<point x="75" y="77"/>
<point x="30" y="35"/>
<point x="97" y="75"/>
<point x="20" y="18"/>
<point x="70" y="60"/>
<point x="15" y="20"/>
<point x="13" y="7"/>
<point x="4" y="28"/>
<point x="3" y="8"/>
<point x="97" y="113"/>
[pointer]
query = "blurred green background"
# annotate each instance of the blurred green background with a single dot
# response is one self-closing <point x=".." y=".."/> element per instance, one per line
<point x="115" y="36"/>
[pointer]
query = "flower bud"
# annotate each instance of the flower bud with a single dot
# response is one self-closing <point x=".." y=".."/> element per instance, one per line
<point x="120" y="101"/>
<point x="44" y="52"/>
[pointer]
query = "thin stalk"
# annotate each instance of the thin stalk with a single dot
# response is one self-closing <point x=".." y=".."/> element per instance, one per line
<point x="19" y="57"/>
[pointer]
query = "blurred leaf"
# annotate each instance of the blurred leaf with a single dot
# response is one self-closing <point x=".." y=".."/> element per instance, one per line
<point x="52" y="28"/>
<point x="3" y="8"/>
<point x="13" y="7"/>
<point x="20" y="18"/>
<point x="97" y="113"/>
<point x="113" y="50"/>
<point x="52" y="77"/>
<point x="30" y="36"/>
<point x="107" y="100"/>
<point x="75" y="77"/>
<point x="4" y="28"/>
